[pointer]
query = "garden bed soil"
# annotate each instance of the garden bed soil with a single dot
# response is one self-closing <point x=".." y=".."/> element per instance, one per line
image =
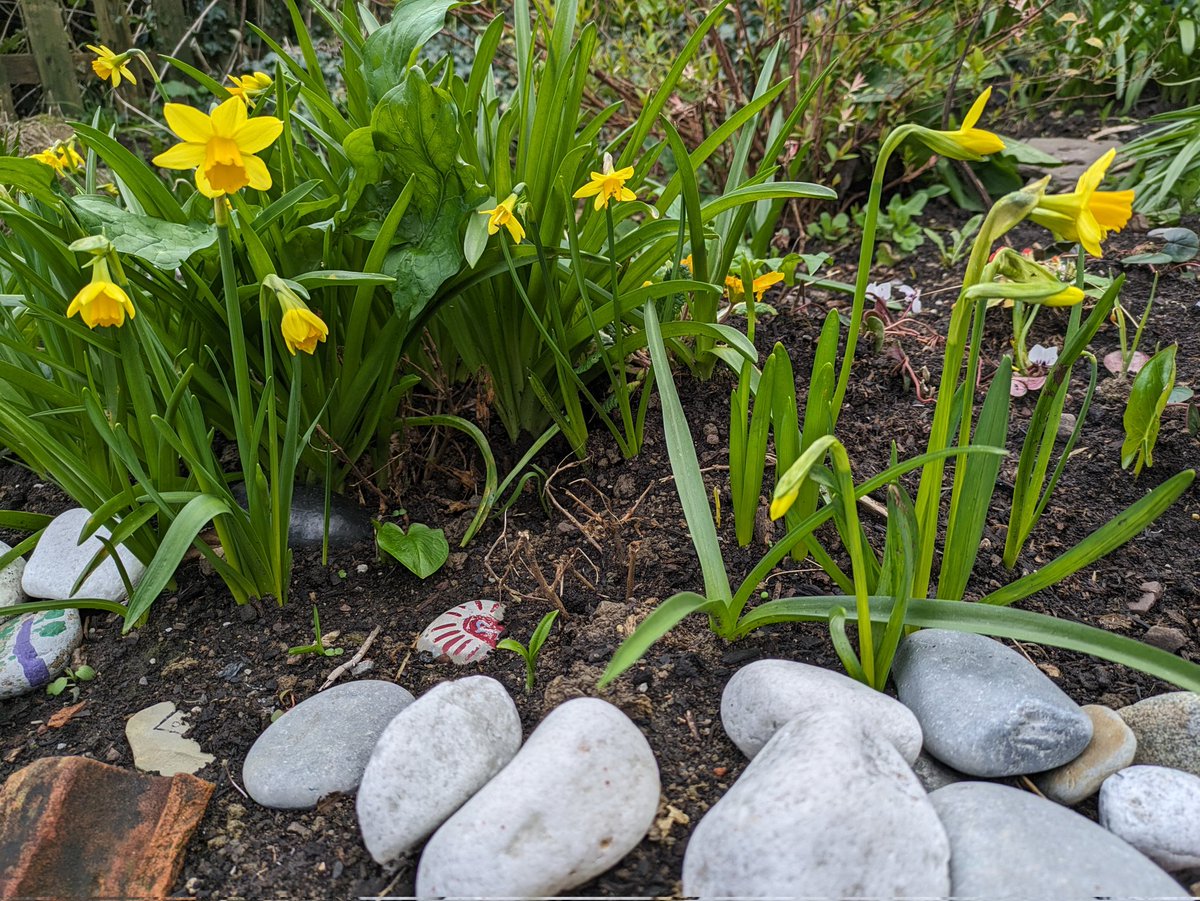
<point x="612" y="545"/>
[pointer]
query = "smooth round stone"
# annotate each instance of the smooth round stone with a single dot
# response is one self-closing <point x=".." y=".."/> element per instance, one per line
<point x="577" y="798"/>
<point x="10" y="580"/>
<point x="1007" y="843"/>
<point x="983" y="708"/>
<point x="767" y="694"/>
<point x="431" y="759"/>
<point x="322" y="744"/>
<point x="1111" y="749"/>
<point x="828" y="809"/>
<point x="35" y="647"/>
<point x="933" y="774"/>
<point x="1167" y="727"/>
<point x="59" y="560"/>
<point x="1157" y="810"/>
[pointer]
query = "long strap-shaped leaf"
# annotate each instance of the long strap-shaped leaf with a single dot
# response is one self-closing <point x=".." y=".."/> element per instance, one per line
<point x="686" y="468"/>
<point x="1104" y="540"/>
<point x="999" y="622"/>
<point x="662" y="620"/>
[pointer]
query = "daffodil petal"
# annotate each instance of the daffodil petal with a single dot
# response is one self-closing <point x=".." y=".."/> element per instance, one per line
<point x="976" y="109"/>
<point x="257" y="172"/>
<point x="182" y="156"/>
<point x="188" y="122"/>
<point x="229" y="117"/>
<point x="592" y="187"/>
<point x="258" y="134"/>
<point x="1094" y="174"/>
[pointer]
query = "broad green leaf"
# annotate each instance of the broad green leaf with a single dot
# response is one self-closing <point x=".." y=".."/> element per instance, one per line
<point x="415" y="133"/>
<point x="164" y="245"/>
<point x="1143" y="413"/>
<point x="23" y="522"/>
<point x="1180" y="245"/>
<point x="390" y="50"/>
<point x="333" y="278"/>
<point x="685" y="467"/>
<point x="34" y="178"/>
<point x="973" y="489"/>
<point x="421" y="549"/>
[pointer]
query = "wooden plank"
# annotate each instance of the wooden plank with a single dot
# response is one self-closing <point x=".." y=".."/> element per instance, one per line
<point x="52" y="54"/>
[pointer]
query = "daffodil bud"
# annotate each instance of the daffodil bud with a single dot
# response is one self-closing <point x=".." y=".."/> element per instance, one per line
<point x="300" y="327"/>
<point x="1013" y="208"/>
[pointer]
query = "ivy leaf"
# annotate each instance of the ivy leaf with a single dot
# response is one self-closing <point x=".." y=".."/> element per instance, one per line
<point x="1143" y="414"/>
<point x="422" y="550"/>
<point x="162" y="244"/>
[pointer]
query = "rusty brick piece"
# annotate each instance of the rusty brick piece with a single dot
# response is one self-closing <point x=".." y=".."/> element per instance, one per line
<point x="72" y="827"/>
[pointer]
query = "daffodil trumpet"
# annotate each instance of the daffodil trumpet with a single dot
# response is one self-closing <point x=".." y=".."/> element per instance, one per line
<point x="1086" y="215"/>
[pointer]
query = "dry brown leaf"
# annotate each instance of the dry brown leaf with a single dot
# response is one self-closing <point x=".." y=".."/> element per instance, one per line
<point x="60" y="718"/>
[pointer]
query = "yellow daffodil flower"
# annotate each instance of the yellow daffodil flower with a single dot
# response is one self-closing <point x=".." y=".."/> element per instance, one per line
<point x="220" y="147"/>
<point x="1086" y="215"/>
<point x="70" y="157"/>
<point x="608" y="184"/>
<point x="102" y="301"/>
<point x="1067" y="297"/>
<point x="111" y="66"/>
<point x="759" y="286"/>
<point x="50" y="158"/>
<point x="301" y="327"/>
<point x="250" y="86"/>
<point x="687" y="262"/>
<point x="504" y="216"/>
<point x="966" y="142"/>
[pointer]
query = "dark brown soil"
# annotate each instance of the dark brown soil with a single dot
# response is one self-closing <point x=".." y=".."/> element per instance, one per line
<point x="613" y="545"/>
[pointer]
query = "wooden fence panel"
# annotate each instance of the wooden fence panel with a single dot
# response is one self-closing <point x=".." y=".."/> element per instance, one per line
<point x="51" y="51"/>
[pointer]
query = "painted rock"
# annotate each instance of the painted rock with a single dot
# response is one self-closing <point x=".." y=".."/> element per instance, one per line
<point x="465" y="633"/>
<point x="35" y="647"/>
<point x="322" y="744"/>
<point x="59" y="560"/>
<point x="577" y="798"/>
<point x="431" y="759"/>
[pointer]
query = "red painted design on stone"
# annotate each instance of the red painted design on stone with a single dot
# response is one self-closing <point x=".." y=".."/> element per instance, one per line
<point x="465" y="633"/>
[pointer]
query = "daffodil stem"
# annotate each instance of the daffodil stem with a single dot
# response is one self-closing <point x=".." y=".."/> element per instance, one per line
<point x="866" y="255"/>
<point x="621" y="384"/>
<point x="858" y="557"/>
<point x="237" y="338"/>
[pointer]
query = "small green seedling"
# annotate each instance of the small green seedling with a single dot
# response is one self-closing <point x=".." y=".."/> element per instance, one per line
<point x="70" y="680"/>
<point x="530" y="654"/>
<point x="318" y="646"/>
